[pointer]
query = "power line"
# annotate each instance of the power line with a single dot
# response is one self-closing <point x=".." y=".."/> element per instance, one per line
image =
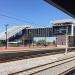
<point x="13" y="18"/>
<point x="4" y="15"/>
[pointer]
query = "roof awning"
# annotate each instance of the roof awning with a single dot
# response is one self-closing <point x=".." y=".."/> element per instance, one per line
<point x="68" y="6"/>
<point x="65" y="21"/>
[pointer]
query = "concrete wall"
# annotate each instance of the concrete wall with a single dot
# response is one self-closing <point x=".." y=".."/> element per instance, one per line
<point x="71" y="41"/>
<point x="61" y="41"/>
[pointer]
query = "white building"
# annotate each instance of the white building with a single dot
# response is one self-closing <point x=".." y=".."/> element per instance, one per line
<point x="64" y="29"/>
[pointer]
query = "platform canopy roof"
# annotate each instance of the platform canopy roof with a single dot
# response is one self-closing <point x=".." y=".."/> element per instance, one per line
<point x="65" y="21"/>
<point x="12" y="31"/>
<point x="68" y="6"/>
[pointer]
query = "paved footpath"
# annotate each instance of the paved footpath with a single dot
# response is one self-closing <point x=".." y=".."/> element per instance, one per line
<point x="20" y="65"/>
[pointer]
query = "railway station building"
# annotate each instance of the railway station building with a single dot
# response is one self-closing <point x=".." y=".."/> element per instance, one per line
<point x="24" y="34"/>
<point x="62" y="29"/>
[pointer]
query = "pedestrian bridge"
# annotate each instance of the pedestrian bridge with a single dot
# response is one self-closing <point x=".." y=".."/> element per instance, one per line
<point x="58" y="64"/>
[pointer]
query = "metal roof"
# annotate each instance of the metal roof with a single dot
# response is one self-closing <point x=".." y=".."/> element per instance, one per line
<point x="71" y="21"/>
<point x="12" y="31"/>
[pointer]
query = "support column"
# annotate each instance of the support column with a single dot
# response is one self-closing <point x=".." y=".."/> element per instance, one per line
<point x="72" y="29"/>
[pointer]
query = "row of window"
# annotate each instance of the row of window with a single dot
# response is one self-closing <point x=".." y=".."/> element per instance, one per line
<point x="61" y="30"/>
<point x="40" y="32"/>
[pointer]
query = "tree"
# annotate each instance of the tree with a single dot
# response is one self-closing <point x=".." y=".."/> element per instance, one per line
<point x="41" y="43"/>
<point x="54" y="42"/>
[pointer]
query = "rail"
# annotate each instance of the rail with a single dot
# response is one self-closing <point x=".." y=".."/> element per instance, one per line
<point x="28" y="55"/>
<point x="35" y="70"/>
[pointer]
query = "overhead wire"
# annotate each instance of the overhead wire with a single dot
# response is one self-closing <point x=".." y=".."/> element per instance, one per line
<point x="15" y="18"/>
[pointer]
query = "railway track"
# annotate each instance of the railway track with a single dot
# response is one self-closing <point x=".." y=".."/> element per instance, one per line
<point x="32" y="55"/>
<point x="28" y="57"/>
<point x="30" y="65"/>
<point x="40" y="68"/>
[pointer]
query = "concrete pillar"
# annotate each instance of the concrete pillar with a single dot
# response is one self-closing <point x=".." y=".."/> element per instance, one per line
<point x="71" y="41"/>
<point x="72" y="29"/>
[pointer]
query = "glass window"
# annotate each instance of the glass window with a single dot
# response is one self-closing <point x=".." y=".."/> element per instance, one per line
<point x="61" y="30"/>
<point x="74" y="30"/>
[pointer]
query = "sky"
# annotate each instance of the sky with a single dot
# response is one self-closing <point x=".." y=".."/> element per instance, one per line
<point x="35" y="13"/>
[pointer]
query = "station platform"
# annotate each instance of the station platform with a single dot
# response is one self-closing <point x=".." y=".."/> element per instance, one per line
<point x="31" y="67"/>
<point x="27" y="48"/>
<point x="31" y="48"/>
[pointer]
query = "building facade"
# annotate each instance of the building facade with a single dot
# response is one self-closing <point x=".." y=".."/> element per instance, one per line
<point x="24" y="35"/>
<point x="64" y="30"/>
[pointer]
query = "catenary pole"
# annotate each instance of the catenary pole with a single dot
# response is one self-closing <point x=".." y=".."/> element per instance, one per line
<point x="6" y="36"/>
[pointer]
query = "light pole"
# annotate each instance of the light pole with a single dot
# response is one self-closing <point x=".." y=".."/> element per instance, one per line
<point x="30" y="36"/>
<point x="66" y="40"/>
<point x="45" y="37"/>
<point x="66" y="50"/>
<point x="6" y="36"/>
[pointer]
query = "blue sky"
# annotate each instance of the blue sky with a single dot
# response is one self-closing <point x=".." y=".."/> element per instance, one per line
<point x="36" y="13"/>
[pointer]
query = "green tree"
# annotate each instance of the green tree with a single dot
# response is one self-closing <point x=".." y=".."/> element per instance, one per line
<point x="41" y="42"/>
<point x="54" y="42"/>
